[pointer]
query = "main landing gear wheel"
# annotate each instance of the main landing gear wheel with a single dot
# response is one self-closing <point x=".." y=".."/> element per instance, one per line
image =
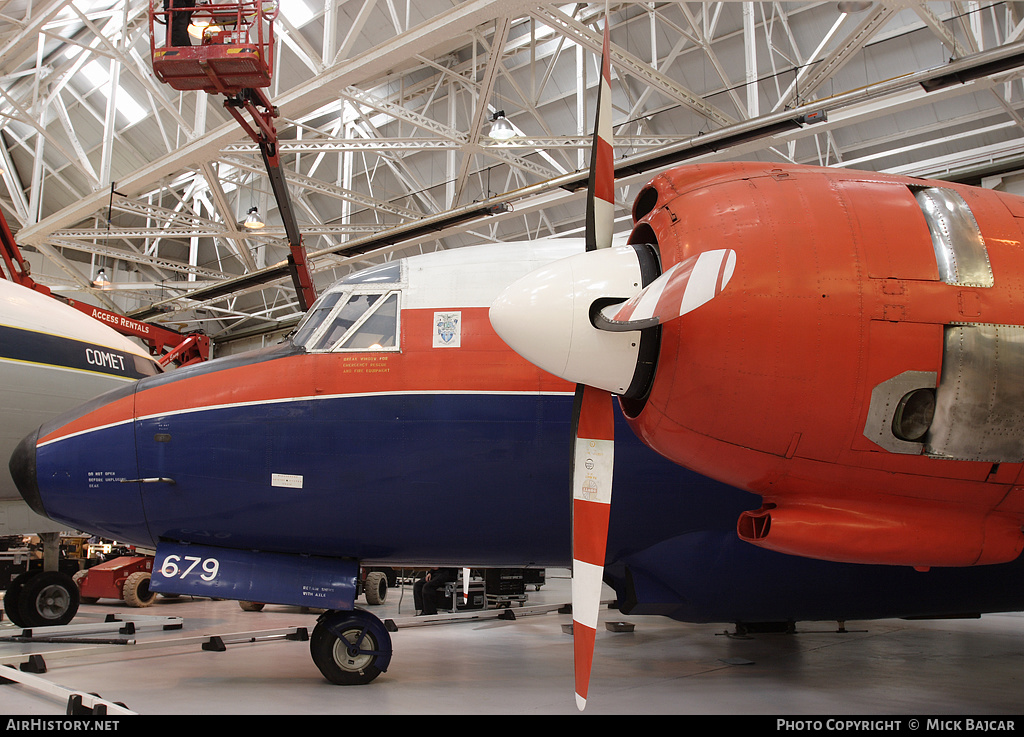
<point x="11" y="598"/>
<point x="41" y="599"/>
<point x="350" y="648"/>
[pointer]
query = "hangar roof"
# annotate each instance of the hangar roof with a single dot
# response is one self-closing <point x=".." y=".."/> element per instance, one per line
<point x="384" y="107"/>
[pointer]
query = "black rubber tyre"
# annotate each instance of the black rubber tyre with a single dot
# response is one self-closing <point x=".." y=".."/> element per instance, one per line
<point x="47" y="599"/>
<point x="376" y="587"/>
<point x="136" y="590"/>
<point x="350" y="648"/>
<point x="11" y="598"/>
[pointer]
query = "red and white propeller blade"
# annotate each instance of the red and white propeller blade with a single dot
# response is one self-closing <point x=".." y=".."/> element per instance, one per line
<point x="593" y="464"/>
<point x="593" y="420"/>
<point x="601" y="195"/>
<point x="683" y="288"/>
<point x="554" y="329"/>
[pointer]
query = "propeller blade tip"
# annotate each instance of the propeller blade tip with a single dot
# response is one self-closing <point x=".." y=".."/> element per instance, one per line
<point x="581" y="703"/>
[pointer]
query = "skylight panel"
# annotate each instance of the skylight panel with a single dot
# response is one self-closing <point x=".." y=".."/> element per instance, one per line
<point x="297" y="13"/>
<point x="99" y="77"/>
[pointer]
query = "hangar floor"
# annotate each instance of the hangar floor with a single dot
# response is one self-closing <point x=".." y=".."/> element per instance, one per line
<point x="494" y="666"/>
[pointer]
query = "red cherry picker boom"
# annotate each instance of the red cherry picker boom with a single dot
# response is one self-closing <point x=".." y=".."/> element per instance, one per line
<point x="234" y="59"/>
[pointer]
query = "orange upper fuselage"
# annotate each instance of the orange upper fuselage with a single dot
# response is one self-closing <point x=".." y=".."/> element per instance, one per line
<point x="789" y="383"/>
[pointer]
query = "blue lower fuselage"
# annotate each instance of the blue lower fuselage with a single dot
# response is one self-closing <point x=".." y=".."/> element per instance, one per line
<point x="416" y="478"/>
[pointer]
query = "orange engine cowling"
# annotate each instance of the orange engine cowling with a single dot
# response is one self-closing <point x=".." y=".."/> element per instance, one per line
<point x="895" y="533"/>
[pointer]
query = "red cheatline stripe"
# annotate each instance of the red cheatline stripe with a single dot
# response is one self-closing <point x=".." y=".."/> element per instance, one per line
<point x="589" y="531"/>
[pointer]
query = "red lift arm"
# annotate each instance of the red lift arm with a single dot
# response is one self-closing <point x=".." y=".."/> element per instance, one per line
<point x="235" y="59"/>
<point x="182" y="349"/>
<point x="18" y="269"/>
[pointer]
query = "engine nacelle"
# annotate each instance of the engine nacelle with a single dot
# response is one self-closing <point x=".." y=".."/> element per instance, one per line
<point x="897" y="533"/>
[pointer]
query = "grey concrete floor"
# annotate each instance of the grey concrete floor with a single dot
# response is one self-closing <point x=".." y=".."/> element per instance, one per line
<point x="493" y="666"/>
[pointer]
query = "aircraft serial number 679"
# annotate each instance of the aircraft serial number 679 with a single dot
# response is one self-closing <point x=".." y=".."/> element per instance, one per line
<point x="170" y="568"/>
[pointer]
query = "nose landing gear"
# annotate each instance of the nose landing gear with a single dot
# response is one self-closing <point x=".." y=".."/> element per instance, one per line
<point x="350" y="647"/>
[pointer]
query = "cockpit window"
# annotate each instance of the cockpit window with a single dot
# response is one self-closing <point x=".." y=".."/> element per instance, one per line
<point x="342" y="319"/>
<point x="359" y="313"/>
<point x="378" y="331"/>
<point x="347" y="321"/>
<point x="384" y="274"/>
<point x="313" y="319"/>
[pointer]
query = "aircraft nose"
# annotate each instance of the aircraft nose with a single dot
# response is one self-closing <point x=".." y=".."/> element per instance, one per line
<point x="76" y="469"/>
<point x="23" y="471"/>
<point x="547" y="317"/>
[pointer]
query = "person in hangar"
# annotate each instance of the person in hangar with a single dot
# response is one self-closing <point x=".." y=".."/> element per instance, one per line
<point x="179" y="21"/>
<point x="429" y="589"/>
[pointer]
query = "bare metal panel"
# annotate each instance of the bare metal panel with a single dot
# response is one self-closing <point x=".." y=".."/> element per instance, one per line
<point x="979" y="412"/>
<point x="959" y="246"/>
<point x="884" y="400"/>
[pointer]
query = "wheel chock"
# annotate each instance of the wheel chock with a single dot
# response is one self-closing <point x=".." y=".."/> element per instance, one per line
<point x="35" y="664"/>
<point x="215" y="644"/>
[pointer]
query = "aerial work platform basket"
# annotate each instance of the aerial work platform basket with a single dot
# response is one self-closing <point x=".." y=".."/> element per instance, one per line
<point x="235" y="58"/>
<point x="235" y="50"/>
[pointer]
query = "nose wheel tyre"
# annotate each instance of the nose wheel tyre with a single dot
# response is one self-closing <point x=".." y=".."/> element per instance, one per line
<point x="350" y="648"/>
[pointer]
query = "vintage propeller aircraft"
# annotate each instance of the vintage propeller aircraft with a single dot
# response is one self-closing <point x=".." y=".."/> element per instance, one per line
<point x="52" y="358"/>
<point x="395" y="427"/>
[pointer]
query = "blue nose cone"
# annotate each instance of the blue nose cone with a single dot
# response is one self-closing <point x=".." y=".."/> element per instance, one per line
<point x="87" y="481"/>
<point x="23" y="471"/>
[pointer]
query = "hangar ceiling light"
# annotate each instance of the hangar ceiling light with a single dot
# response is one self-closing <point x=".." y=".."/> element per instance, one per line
<point x="501" y="129"/>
